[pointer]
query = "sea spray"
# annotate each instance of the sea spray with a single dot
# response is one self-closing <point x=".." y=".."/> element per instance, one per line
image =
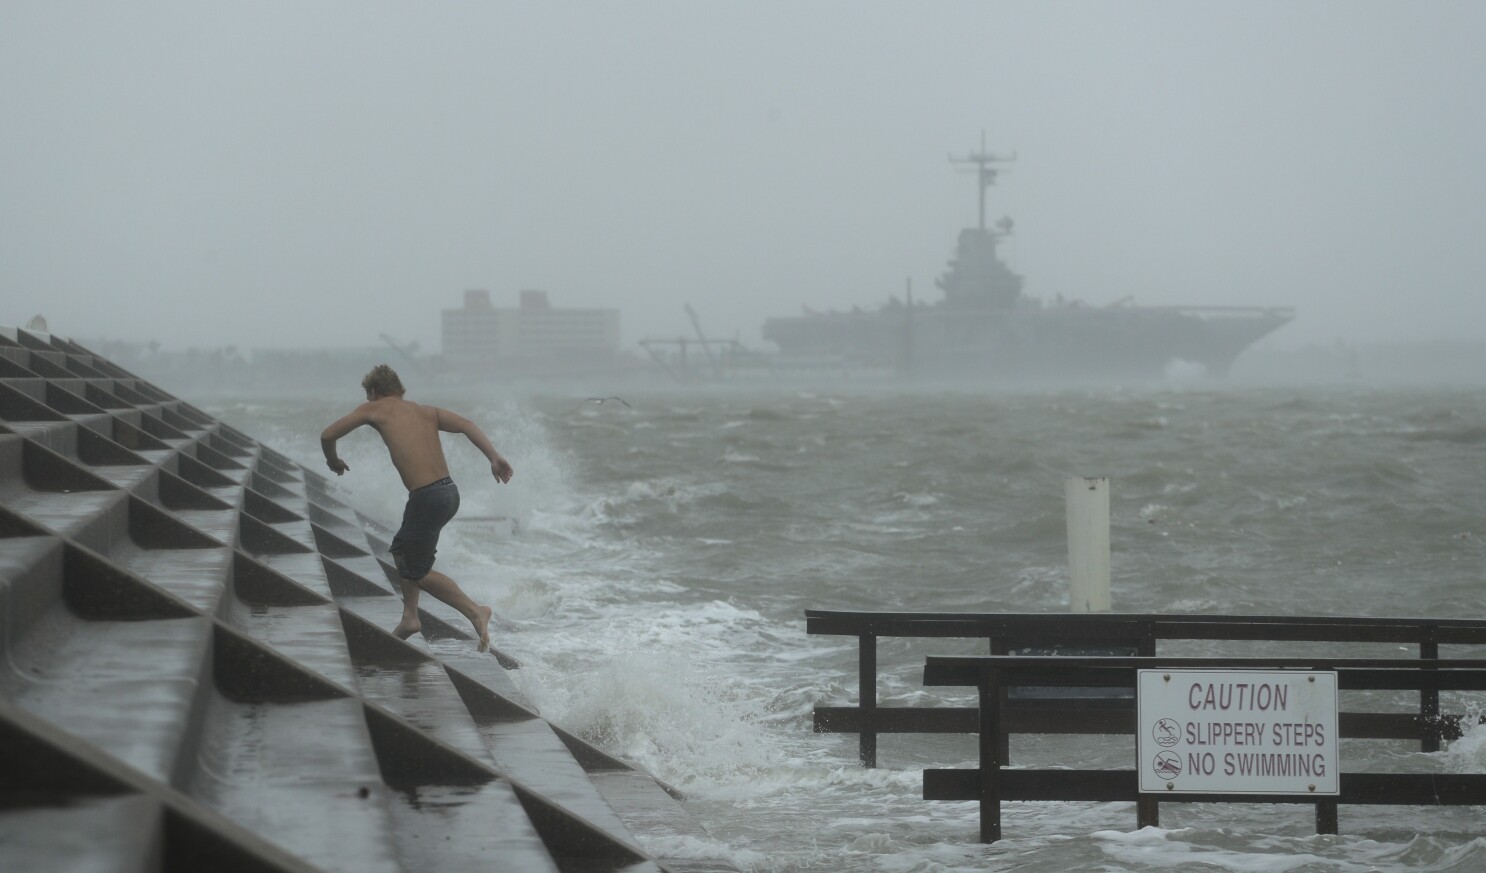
<point x="647" y="704"/>
<point x="1468" y="753"/>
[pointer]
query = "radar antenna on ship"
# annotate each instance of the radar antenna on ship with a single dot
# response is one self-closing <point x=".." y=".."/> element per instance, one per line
<point x="984" y="166"/>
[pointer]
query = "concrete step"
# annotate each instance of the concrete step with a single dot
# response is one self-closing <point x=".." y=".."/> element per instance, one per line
<point x="139" y="679"/>
<point x="302" y="775"/>
<point x="98" y="835"/>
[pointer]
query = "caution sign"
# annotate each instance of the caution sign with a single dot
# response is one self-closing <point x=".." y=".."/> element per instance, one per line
<point x="1237" y="732"/>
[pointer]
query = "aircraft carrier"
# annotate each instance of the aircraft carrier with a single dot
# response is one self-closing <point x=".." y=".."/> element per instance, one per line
<point x="985" y="328"/>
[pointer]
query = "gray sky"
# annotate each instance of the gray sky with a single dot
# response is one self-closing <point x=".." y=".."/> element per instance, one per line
<point x="303" y="173"/>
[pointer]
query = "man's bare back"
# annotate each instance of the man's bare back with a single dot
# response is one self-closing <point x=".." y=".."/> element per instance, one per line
<point x="411" y="432"/>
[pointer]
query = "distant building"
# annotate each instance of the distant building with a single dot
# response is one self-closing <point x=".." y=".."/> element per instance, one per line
<point x="533" y="337"/>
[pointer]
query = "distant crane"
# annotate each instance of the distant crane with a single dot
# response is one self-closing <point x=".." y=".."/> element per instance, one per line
<point x="407" y="353"/>
<point x="733" y="350"/>
<point x="696" y="324"/>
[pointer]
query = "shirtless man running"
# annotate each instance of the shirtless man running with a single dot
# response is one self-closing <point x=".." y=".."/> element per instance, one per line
<point x="411" y="432"/>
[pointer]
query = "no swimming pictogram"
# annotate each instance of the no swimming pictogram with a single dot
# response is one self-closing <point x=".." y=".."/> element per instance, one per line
<point x="1167" y="765"/>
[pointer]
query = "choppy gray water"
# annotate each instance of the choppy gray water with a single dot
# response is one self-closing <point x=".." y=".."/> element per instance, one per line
<point x="664" y="555"/>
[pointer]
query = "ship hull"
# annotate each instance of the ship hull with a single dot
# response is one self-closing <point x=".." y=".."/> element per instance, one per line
<point x="1031" y="344"/>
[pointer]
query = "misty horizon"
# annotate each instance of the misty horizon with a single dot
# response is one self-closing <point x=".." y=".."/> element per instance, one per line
<point x="287" y="176"/>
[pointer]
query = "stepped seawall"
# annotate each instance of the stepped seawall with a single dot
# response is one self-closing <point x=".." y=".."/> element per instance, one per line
<point x="198" y="676"/>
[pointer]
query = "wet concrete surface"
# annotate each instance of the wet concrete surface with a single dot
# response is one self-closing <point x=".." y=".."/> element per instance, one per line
<point x="198" y="667"/>
<point x="114" y="835"/>
<point x="303" y="775"/>
<point x="126" y="687"/>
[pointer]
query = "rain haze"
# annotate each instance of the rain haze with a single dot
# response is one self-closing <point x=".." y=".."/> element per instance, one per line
<point x="1216" y="366"/>
<point x="314" y="175"/>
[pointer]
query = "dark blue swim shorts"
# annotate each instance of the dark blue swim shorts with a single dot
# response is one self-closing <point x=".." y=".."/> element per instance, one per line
<point x="429" y="509"/>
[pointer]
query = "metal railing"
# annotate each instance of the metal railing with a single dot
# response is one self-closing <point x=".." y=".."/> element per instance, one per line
<point x="1140" y="635"/>
<point x="991" y="784"/>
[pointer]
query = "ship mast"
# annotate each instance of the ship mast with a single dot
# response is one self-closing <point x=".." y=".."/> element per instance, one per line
<point x="983" y="162"/>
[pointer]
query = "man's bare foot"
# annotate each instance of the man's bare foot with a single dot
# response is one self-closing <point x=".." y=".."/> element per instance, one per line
<point x="406" y="628"/>
<point x="483" y="628"/>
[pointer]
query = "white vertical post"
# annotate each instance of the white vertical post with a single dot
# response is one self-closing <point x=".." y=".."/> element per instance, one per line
<point x="1088" y="543"/>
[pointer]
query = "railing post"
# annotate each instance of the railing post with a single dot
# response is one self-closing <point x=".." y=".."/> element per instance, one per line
<point x="1088" y="543"/>
<point x="1326" y="817"/>
<point x="1145" y="647"/>
<point x="1429" y="698"/>
<point x="1000" y="646"/>
<point x="990" y="757"/>
<point x="1147" y="811"/>
<point x="867" y="697"/>
<point x="1147" y="807"/>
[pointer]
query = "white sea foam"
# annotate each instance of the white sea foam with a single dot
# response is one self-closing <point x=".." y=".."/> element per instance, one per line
<point x="1468" y="753"/>
<point x="1156" y="849"/>
<point x="649" y="704"/>
<point x="691" y="848"/>
<point x="1231" y="850"/>
<point x="668" y="493"/>
<point x="1153" y="511"/>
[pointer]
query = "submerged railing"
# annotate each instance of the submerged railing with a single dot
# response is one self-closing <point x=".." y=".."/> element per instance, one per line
<point x="992" y="783"/>
<point x="1095" y="695"/>
<point x="1137" y="634"/>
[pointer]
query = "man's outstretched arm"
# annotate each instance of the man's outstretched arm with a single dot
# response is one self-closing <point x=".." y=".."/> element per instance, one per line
<point x="450" y="422"/>
<point x="356" y="418"/>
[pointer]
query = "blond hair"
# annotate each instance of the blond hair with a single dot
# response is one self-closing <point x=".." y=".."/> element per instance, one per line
<point x="382" y="381"/>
